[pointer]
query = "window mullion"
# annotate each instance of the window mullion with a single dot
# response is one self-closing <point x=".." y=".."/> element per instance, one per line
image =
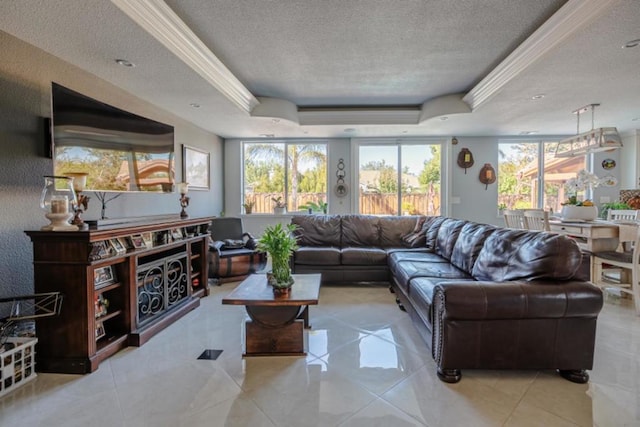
<point x="399" y="180"/>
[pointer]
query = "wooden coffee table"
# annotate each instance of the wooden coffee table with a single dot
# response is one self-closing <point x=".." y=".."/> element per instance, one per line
<point x="277" y="323"/>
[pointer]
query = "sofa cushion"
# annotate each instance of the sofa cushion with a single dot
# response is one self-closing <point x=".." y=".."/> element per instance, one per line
<point x="447" y="236"/>
<point x="469" y="243"/>
<point x="317" y="230"/>
<point x="360" y="230"/>
<point x="510" y="254"/>
<point x="404" y="271"/>
<point x="317" y="255"/>
<point x="363" y="256"/>
<point x="394" y="228"/>
<point x="414" y="255"/>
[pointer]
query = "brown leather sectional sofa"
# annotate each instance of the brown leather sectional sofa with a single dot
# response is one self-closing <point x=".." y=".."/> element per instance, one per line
<point x="481" y="296"/>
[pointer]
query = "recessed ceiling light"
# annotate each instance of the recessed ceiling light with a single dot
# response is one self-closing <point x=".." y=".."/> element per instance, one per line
<point x="528" y="132"/>
<point x="538" y="96"/>
<point x="125" y="63"/>
<point x="267" y="135"/>
<point x="194" y="105"/>
<point x="443" y="118"/>
<point x="632" y="43"/>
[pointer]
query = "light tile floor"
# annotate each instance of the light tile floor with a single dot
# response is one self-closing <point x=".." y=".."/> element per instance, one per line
<point x="366" y="366"/>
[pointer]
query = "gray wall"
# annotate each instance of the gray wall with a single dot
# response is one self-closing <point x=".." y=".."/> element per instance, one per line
<point x="26" y="74"/>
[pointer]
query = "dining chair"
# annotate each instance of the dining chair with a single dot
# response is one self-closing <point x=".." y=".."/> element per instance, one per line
<point x="513" y="218"/>
<point x="622" y="214"/>
<point x="629" y="262"/>
<point x="536" y="219"/>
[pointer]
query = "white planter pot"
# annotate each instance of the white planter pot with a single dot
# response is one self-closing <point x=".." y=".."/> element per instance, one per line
<point x="279" y="211"/>
<point x="583" y="213"/>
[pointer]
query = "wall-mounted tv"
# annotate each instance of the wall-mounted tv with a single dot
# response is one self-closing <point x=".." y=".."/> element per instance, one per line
<point x="119" y="150"/>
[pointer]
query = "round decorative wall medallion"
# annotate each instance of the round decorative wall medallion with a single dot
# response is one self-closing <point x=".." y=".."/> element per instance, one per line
<point x="608" y="164"/>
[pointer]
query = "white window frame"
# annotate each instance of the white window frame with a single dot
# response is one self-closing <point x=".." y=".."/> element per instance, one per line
<point x="287" y="143"/>
<point x="540" y="178"/>
<point x="445" y="172"/>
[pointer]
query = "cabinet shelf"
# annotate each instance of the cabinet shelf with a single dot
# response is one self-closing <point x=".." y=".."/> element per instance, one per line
<point x="108" y="316"/>
<point x="110" y="344"/>
<point x="108" y="288"/>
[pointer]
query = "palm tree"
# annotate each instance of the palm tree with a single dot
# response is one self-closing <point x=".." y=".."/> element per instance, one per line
<point x="296" y="153"/>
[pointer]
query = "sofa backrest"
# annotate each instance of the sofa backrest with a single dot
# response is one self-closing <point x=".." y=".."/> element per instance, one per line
<point x="470" y="242"/>
<point x="510" y="254"/>
<point x="432" y="225"/>
<point x="360" y="230"/>
<point x="318" y="230"/>
<point x="447" y="236"/>
<point x="394" y="228"/>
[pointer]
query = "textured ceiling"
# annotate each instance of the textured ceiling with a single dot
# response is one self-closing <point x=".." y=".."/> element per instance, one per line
<point x="354" y="53"/>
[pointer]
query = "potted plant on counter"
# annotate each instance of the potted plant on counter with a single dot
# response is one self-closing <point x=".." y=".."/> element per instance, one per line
<point x="279" y="243"/>
<point x="249" y="203"/>
<point x="279" y="207"/>
<point x="575" y="209"/>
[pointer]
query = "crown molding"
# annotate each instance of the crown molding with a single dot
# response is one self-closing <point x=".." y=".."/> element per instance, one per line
<point x="157" y="18"/>
<point x="565" y="22"/>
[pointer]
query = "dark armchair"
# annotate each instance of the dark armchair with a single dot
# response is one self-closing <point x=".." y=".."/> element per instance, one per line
<point x="232" y="252"/>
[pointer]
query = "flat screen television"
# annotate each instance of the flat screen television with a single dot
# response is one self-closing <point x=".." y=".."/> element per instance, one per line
<point x="119" y="150"/>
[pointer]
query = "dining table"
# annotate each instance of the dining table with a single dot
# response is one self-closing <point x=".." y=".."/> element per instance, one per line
<point x="597" y="235"/>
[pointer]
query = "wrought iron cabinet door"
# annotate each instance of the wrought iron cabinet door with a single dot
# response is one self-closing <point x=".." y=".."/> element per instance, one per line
<point x="161" y="284"/>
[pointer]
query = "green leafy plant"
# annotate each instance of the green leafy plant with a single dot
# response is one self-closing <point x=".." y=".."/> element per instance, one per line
<point x="278" y="241"/>
<point x="606" y="207"/>
<point x="249" y="203"/>
<point x="315" y="207"/>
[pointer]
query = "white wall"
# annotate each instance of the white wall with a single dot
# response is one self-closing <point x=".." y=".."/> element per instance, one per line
<point x="630" y="161"/>
<point x="477" y="203"/>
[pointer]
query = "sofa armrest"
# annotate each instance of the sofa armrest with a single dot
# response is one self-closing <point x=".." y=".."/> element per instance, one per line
<point x="216" y="245"/>
<point x="516" y="300"/>
<point x="250" y="242"/>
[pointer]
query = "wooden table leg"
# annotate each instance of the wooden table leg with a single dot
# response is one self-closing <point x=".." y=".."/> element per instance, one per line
<point x="274" y="331"/>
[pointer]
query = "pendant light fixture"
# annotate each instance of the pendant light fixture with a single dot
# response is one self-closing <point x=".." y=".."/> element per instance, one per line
<point x="600" y="139"/>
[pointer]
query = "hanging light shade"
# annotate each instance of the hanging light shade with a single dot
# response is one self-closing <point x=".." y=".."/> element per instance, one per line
<point x="600" y="139"/>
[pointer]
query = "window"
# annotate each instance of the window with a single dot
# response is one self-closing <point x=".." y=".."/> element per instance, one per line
<point x="293" y="172"/>
<point x="399" y="178"/>
<point x="521" y="185"/>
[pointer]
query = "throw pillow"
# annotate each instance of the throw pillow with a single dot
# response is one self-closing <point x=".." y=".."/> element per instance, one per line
<point x="417" y="238"/>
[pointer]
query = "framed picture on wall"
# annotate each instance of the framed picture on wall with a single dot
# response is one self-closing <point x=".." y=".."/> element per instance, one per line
<point x="195" y="168"/>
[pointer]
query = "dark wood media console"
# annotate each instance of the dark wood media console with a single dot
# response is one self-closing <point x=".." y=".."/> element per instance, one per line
<point x="121" y="284"/>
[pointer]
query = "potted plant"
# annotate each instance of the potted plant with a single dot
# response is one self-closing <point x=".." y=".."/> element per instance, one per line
<point x="279" y="243"/>
<point x="315" y="207"/>
<point x="249" y="203"/>
<point x="574" y="209"/>
<point x="279" y="206"/>
<point x="606" y="207"/>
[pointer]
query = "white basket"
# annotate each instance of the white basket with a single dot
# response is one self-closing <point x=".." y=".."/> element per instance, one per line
<point x="17" y="366"/>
